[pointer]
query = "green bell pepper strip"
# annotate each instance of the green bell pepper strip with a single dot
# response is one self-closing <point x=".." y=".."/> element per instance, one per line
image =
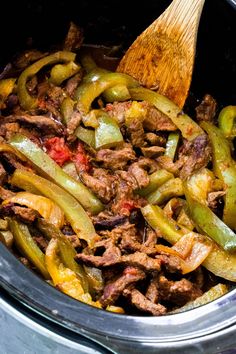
<point x="189" y="129"/>
<point x="108" y="133"/>
<point x="49" y="168"/>
<point x="156" y="179"/>
<point x="62" y="72"/>
<point x="26" y="100"/>
<point x="75" y="214"/>
<point x="209" y="223"/>
<point x="117" y="93"/>
<point x="227" y="121"/>
<point x="27" y="246"/>
<point x="219" y="262"/>
<point x="87" y="92"/>
<point x="86" y="135"/>
<point x="172" y="144"/>
<point x="171" y="188"/>
<point x="67" y="251"/>
<point x="67" y="108"/>
<point x="214" y="293"/>
<point x="224" y="168"/>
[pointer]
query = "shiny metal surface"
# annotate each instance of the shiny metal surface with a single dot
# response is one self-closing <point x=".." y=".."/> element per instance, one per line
<point x="232" y="2"/>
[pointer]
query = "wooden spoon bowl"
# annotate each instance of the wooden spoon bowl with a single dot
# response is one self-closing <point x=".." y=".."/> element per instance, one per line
<point x="162" y="57"/>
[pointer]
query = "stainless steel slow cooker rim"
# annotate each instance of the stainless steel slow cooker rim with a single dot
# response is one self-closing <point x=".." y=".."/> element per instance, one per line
<point x="48" y="302"/>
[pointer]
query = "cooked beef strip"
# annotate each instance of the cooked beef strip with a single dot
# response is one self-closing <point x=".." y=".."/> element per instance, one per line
<point x="12" y="163"/>
<point x="156" y="120"/>
<point x="9" y="129"/>
<point x="152" y="151"/>
<point x="142" y="260"/>
<point x="117" y="110"/>
<point x="110" y="222"/>
<point x="5" y="193"/>
<point x="142" y="303"/>
<point x="27" y="57"/>
<point x="135" y="133"/>
<point x="26" y="215"/>
<point x="139" y="173"/>
<point x="195" y="154"/>
<point x="113" y="290"/>
<point x="74" y="38"/>
<point x="177" y="292"/>
<point x="41" y="242"/>
<point x="72" y="83"/>
<point x="207" y="109"/>
<point x="154" y="139"/>
<point x="170" y="263"/>
<point x="40" y="122"/>
<point x="152" y="293"/>
<point x="167" y="163"/>
<point x="116" y="159"/>
<point x="213" y="198"/>
<point x="111" y="256"/>
<point x="3" y="174"/>
<point x="102" y="183"/>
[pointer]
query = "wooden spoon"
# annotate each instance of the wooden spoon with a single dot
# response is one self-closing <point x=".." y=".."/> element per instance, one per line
<point x="162" y="57"/>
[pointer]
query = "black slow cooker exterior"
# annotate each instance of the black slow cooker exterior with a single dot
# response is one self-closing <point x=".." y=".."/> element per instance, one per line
<point x="208" y="329"/>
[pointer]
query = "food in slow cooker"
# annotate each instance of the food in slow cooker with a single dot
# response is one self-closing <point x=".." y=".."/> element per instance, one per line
<point x="109" y="191"/>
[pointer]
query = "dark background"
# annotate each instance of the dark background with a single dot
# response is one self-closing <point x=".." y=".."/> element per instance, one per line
<point x="118" y="22"/>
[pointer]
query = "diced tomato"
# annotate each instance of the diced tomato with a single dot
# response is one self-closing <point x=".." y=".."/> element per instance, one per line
<point x="58" y="150"/>
<point x="128" y="206"/>
<point x="81" y="159"/>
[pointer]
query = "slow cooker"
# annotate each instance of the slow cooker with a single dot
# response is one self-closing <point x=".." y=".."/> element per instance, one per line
<point x="35" y="317"/>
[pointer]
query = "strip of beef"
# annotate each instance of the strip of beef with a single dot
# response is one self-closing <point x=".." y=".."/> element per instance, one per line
<point x="213" y="198"/>
<point x="43" y="123"/>
<point x="143" y="304"/>
<point x="125" y="201"/>
<point x="111" y="256"/>
<point x="152" y="293"/>
<point x="101" y="183"/>
<point x="116" y="159"/>
<point x="142" y="260"/>
<point x="3" y="174"/>
<point x="6" y="193"/>
<point x="156" y="120"/>
<point x="72" y="83"/>
<point x="135" y="133"/>
<point x="207" y="109"/>
<point x="167" y="163"/>
<point x="117" y="110"/>
<point x="9" y="129"/>
<point x="170" y="263"/>
<point x="155" y="139"/>
<point x="139" y="173"/>
<point x="27" y="57"/>
<point x="177" y="292"/>
<point x="41" y="242"/>
<point x="113" y="290"/>
<point x="195" y="154"/>
<point x="26" y="215"/>
<point x="152" y="151"/>
<point x="108" y="222"/>
<point x="12" y="163"/>
<point x="118" y="233"/>
<point x="74" y="38"/>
